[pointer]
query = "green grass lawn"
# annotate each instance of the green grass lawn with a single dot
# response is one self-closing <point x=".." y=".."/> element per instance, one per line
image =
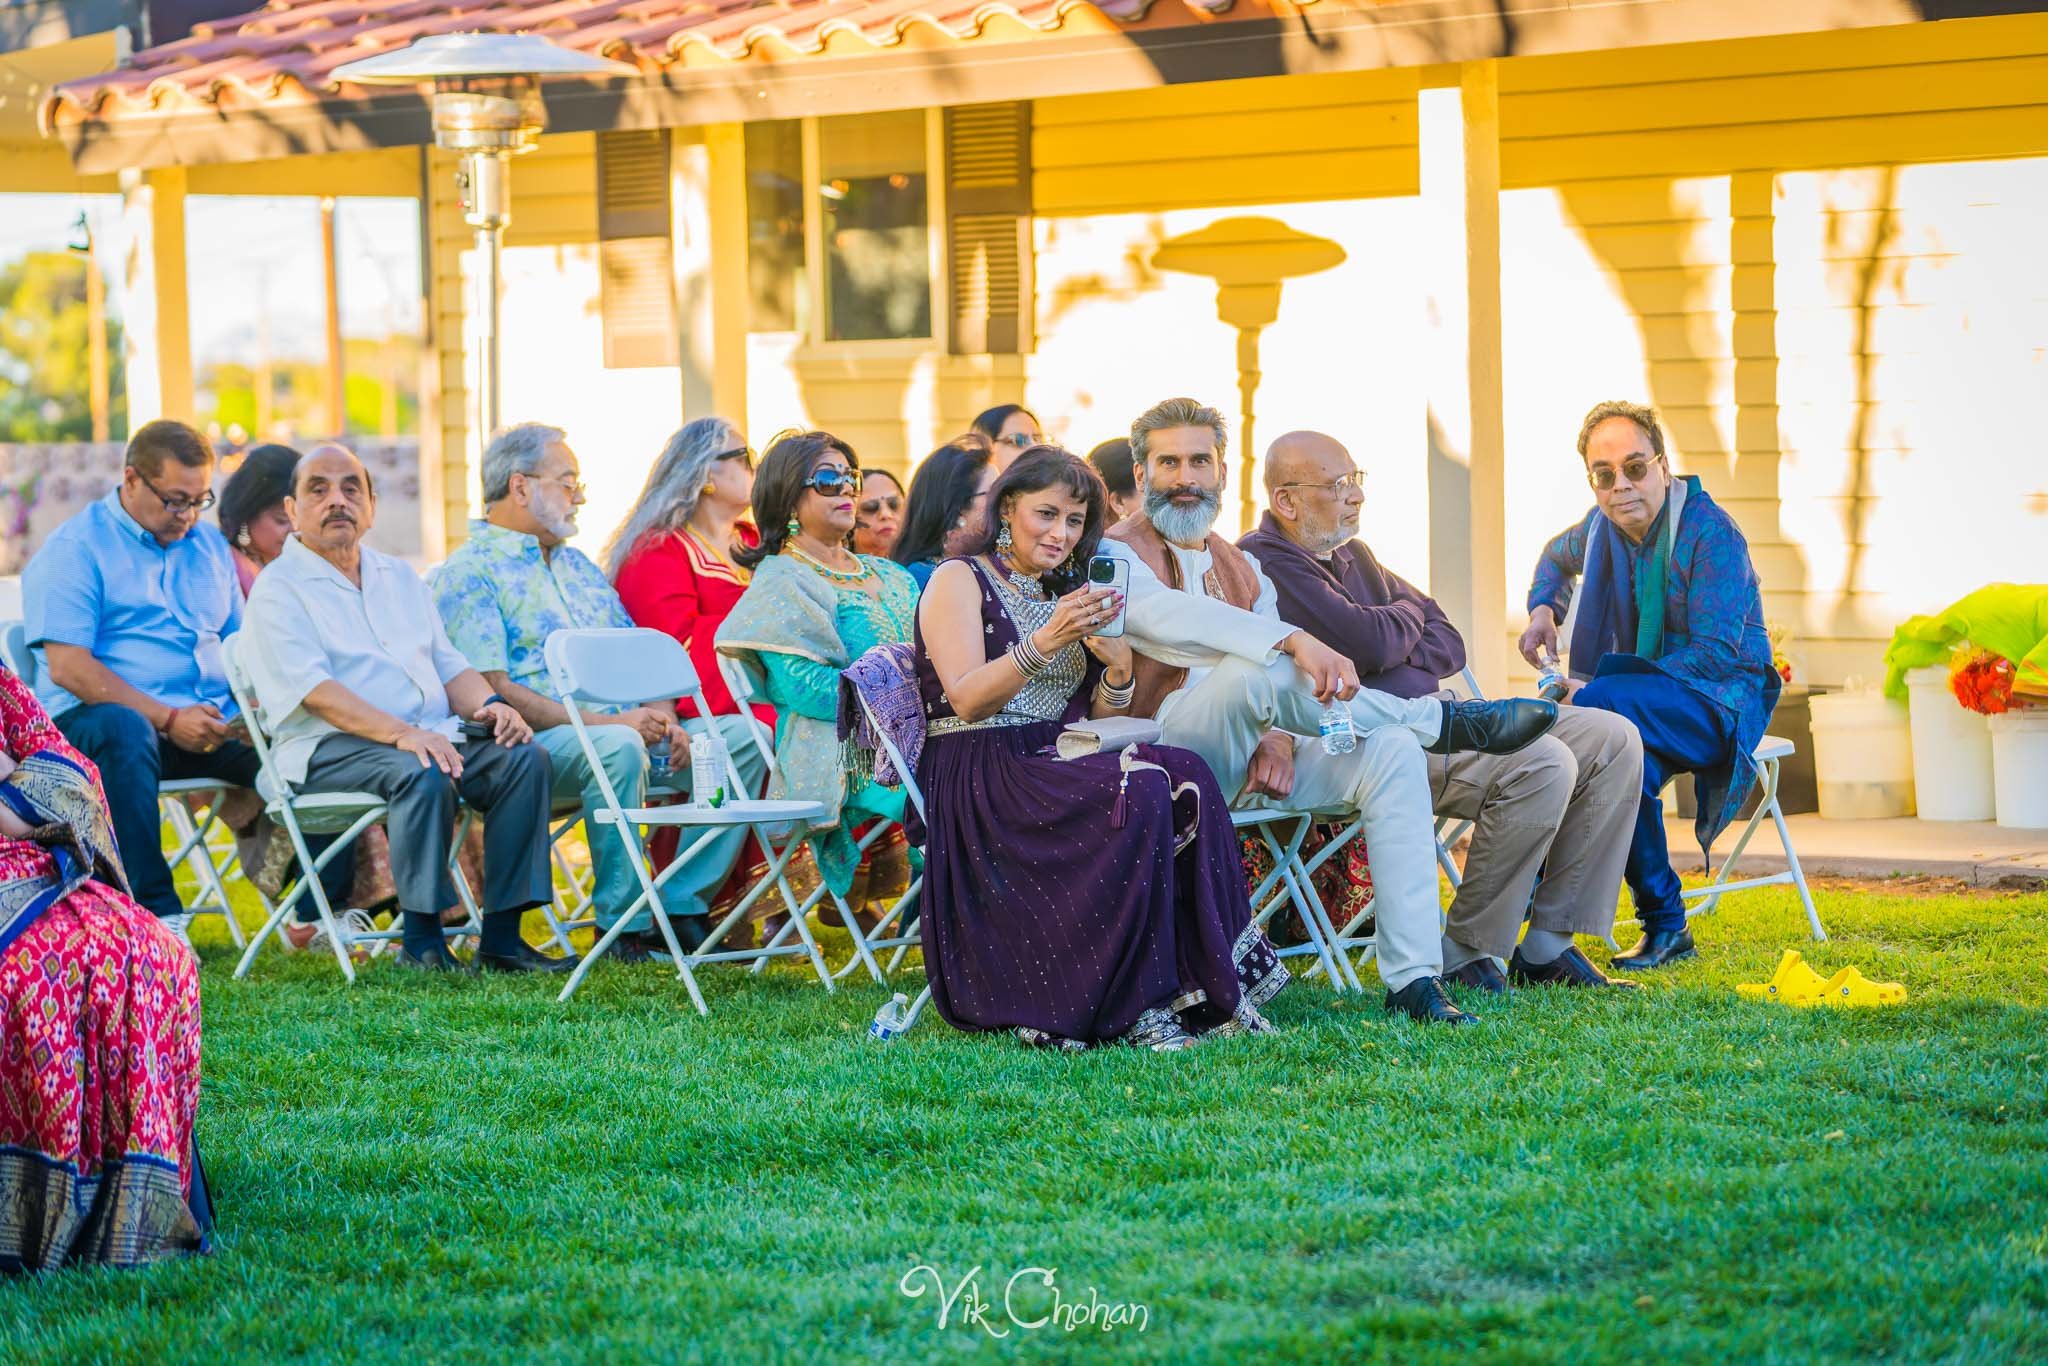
<point x="430" y="1169"/>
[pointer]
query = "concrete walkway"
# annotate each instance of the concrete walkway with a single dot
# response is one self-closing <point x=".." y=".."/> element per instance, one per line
<point x="1977" y="852"/>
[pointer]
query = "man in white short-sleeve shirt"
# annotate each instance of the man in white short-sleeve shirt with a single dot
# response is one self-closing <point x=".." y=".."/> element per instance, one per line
<point x="362" y="692"/>
<point x="1228" y="679"/>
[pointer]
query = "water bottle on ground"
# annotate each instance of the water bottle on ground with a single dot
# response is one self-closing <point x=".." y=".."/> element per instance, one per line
<point x="1339" y="735"/>
<point x="891" y="1020"/>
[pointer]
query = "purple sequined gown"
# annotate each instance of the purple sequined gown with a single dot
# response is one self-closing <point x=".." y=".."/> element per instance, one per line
<point x="1041" y="913"/>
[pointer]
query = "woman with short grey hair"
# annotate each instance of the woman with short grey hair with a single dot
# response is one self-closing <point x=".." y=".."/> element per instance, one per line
<point x="674" y="565"/>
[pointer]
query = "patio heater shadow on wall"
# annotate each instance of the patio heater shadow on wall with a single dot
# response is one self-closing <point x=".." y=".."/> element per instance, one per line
<point x="487" y="106"/>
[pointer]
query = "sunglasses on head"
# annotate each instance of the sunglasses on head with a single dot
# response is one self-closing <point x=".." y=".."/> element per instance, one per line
<point x="832" y="481"/>
<point x="1602" y="477"/>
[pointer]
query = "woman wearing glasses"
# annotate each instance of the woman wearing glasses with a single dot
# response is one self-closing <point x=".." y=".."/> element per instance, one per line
<point x="1011" y="430"/>
<point x="674" y="562"/>
<point x="945" y="506"/>
<point x="812" y="608"/>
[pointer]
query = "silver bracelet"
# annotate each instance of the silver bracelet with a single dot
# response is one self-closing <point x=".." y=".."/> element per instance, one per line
<point x="1114" y="697"/>
<point x="1027" y="658"/>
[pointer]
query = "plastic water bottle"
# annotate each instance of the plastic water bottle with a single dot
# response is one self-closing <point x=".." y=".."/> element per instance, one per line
<point x="657" y="761"/>
<point x="1552" y="683"/>
<point x="1339" y="735"/>
<point x="707" y="770"/>
<point x="891" y="1020"/>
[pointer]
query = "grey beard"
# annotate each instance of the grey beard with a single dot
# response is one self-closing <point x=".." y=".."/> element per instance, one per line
<point x="1183" y="524"/>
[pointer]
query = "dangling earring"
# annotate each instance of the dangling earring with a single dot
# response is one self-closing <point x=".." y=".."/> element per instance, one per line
<point x="1003" y="541"/>
<point x="242" y="538"/>
<point x="792" y="528"/>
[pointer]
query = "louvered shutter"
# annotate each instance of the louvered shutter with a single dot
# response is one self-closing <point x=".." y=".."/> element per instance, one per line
<point x="988" y="203"/>
<point x="637" y="290"/>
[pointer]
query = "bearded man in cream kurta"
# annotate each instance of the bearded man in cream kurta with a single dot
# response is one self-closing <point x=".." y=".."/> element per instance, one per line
<point x="1227" y="678"/>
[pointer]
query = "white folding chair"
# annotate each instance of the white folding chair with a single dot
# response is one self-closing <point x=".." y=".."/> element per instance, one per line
<point x="209" y="864"/>
<point x="346" y="814"/>
<point x="1770" y="752"/>
<point x="915" y="796"/>
<point x="739" y="681"/>
<point x="625" y="667"/>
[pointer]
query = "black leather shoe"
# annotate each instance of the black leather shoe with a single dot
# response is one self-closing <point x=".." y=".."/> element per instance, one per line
<point x="435" y="959"/>
<point x="1655" y="950"/>
<point x="1482" y="974"/>
<point x="634" y="948"/>
<point x="526" y="959"/>
<point x="1424" y="999"/>
<point x="690" y="930"/>
<point x="1494" y="727"/>
<point x="1570" y="969"/>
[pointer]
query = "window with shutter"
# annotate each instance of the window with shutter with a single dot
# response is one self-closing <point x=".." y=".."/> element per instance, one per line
<point x="988" y="205"/>
<point x="635" y="264"/>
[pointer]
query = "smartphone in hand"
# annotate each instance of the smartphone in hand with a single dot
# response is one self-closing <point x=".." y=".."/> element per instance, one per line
<point x="1107" y="571"/>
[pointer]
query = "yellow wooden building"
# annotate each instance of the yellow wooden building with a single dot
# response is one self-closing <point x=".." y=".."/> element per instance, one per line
<point x="1810" y="231"/>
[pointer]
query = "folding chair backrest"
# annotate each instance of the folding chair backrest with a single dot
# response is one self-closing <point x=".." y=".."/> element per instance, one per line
<point x="910" y="787"/>
<point x="739" y="681"/>
<point x="244" y="693"/>
<point x="622" y="667"/>
<point x="19" y="656"/>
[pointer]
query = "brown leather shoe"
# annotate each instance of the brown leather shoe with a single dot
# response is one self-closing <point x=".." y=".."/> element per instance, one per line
<point x="1569" y="969"/>
<point x="1482" y="974"/>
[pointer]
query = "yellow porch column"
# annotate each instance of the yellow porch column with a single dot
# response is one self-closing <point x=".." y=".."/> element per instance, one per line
<point x="708" y="199"/>
<point x="157" y="322"/>
<point x="1460" y="156"/>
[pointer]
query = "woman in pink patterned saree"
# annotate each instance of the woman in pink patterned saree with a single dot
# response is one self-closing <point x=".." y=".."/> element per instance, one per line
<point x="99" y="1027"/>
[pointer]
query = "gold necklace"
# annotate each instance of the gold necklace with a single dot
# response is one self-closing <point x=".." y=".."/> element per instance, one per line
<point x="691" y="531"/>
<point x="861" y="574"/>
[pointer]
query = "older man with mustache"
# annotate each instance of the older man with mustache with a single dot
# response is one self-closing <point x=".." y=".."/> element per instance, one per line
<point x="1228" y="679"/>
<point x="362" y="690"/>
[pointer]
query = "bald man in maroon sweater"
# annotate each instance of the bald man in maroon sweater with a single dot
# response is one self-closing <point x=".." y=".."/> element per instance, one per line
<point x="1564" y="807"/>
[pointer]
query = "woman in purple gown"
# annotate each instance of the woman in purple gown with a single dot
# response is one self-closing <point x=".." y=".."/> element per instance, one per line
<point x="1074" y="901"/>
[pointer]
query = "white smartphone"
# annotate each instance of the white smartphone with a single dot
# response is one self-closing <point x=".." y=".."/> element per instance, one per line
<point x="1107" y="571"/>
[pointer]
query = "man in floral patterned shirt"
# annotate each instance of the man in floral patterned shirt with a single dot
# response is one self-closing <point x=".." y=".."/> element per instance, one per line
<point x="512" y="584"/>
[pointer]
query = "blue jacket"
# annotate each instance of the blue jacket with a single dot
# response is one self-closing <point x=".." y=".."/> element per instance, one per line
<point x="1714" y="637"/>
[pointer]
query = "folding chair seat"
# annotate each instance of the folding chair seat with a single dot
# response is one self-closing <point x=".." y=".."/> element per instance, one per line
<point x="344" y="814"/>
<point x="740" y="682"/>
<point x="626" y="667"/>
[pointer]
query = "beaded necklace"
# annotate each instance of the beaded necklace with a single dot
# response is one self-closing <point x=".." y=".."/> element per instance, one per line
<point x="845" y="576"/>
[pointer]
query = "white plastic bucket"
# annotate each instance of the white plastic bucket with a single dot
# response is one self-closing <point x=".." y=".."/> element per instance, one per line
<point x="1862" y="756"/>
<point x="1951" y="751"/>
<point x="2019" y="762"/>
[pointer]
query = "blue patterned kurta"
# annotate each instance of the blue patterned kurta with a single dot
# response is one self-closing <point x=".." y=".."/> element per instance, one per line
<point x="1714" y="637"/>
<point x="500" y="600"/>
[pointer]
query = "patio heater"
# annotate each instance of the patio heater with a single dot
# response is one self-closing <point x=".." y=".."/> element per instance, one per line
<point x="487" y="107"/>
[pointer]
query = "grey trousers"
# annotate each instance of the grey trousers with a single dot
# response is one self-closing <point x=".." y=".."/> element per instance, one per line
<point x="508" y="786"/>
<point x="1564" y="806"/>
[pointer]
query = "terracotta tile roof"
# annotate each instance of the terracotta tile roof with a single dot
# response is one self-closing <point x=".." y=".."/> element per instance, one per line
<point x="284" y="53"/>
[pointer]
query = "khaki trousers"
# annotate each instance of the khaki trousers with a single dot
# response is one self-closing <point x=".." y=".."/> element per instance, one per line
<point x="1385" y="780"/>
<point x="1564" y="806"/>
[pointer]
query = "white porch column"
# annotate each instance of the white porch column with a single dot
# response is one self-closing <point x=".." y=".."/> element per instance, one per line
<point x="1460" y="150"/>
<point x="708" y="199"/>
<point x="156" y="348"/>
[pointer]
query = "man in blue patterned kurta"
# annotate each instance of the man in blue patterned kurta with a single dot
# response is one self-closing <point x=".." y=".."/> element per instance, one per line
<point x="1670" y="634"/>
<point x="512" y="584"/>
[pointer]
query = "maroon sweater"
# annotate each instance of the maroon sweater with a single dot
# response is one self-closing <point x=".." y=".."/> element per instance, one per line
<point x="1399" y="639"/>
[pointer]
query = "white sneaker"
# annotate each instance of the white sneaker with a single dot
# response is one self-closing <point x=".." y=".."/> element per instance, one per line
<point x="180" y="925"/>
<point x="353" y="922"/>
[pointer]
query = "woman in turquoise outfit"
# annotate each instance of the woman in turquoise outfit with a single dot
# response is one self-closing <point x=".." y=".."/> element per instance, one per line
<point x="812" y="608"/>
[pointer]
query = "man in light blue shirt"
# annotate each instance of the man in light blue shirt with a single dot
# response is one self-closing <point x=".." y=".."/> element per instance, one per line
<point x="510" y="586"/>
<point x="127" y="604"/>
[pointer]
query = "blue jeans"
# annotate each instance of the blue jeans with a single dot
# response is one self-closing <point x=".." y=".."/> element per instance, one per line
<point x="1682" y="733"/>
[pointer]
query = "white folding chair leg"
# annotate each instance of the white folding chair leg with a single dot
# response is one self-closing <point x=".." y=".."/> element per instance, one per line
<point x="1720" y="886"/>
<point x="196" y="853"/>
<point x="308" y="885"/>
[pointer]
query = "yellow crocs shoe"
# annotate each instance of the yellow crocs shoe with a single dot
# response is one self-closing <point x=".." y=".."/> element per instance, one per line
<point x="1850" y="987"/>
<point x="1794" y="983"/>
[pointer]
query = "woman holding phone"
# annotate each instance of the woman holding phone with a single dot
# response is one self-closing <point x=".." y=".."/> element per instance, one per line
<point x="1076" y="901"/>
